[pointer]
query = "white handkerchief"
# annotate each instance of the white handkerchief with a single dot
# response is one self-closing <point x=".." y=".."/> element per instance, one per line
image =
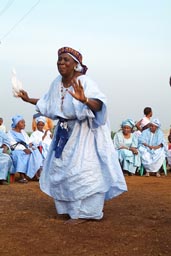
<point x="16" y="84"/>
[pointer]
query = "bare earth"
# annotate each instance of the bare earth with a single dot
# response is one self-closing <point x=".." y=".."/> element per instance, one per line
<point x="137" y="223"/>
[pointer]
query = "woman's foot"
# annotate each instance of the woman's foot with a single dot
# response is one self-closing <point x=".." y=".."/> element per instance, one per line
<point x="24" y="180"/>
<point x="147" y="174"/>
<point x="75" y="221"/>
<point x="158" y="174"/>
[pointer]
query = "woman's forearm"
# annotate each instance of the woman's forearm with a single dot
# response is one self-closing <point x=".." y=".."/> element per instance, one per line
<point x="32" y="101"/>
<point x="94" y="104"/>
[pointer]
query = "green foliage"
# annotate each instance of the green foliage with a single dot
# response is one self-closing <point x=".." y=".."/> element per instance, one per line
<point x="112" y="134"/>
<point x="29" y="133"/>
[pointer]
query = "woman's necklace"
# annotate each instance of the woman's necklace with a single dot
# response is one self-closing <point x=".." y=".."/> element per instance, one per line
<point x="63" y="93"/>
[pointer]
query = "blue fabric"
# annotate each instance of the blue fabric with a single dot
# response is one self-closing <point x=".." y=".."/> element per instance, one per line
<point x="15" y="120"/>
<point x="128" y="160"/>
<point x="62" y="136"/>
<point x="152" y="159"/>
<point x="6" y="164"/>
<point x="24" y="163"/>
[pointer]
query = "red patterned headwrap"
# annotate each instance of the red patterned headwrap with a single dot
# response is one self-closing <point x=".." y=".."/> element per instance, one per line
<point x="76" y="56"/>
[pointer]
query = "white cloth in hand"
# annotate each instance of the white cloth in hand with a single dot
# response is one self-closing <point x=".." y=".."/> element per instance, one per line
<point x="16" y="84"/>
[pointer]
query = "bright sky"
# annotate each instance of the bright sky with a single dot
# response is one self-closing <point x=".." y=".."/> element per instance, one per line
<point x="126" y="45"/>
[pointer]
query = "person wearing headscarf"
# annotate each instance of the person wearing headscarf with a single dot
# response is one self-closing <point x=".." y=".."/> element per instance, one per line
<point x="6" y="165"/>
<point x="49" y="125"/>
<point x="126" y="144"/>
<point x="26" y="157"/>
<point x="152" y="148"/>
<point x="41" y="138"/>
<point x="81" y="170"/>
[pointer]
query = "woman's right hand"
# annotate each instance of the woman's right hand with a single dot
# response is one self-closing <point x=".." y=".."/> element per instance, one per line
<point x="23" y="95"/>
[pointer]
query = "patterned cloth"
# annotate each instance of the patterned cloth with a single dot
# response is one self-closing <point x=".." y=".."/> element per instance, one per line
<point x="75" y="54"/>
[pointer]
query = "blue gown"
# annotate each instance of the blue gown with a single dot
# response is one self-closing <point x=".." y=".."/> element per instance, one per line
<point x="24" y="163"/>
<point x="88" y="171"/>
<point x="6" y="164"/>
<point x="152" y="160"/>
<point x="128" y="160"/>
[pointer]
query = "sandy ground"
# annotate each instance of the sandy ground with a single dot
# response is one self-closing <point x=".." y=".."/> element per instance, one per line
<point x="137" y="223"/>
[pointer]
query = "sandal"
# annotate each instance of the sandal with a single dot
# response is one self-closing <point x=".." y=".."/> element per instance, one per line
<point x="23" y="181"/>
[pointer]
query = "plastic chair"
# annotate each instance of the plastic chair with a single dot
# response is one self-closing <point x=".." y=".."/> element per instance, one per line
<point x="141" y="170"/>
<point x="10" y="178"/>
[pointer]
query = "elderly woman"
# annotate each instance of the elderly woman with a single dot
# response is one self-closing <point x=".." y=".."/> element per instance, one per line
<point x="126" y="144"/>
<point x="152" y="148"/>
<point x="5" y="160"/>
<point x="26" y="158"/>
<point x="41" y="138"/>
<point x="81" y="169"/>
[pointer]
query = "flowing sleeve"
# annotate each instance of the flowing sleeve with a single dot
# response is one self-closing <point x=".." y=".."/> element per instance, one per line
<point x="117" y="140"/>
<point x="5" y="139"/>
<point x="48" y="105"/>
<point x="91" y="91"/>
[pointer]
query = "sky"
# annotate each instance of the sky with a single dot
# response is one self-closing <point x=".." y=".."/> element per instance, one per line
<point x="126" y="45"/>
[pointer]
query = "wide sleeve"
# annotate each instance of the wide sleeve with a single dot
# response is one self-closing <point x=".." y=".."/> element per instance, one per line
<point x="91" y="91"/>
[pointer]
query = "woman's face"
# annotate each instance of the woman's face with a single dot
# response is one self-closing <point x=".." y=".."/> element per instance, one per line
<point x="66" y="65"/>
<point x="40" y="126"/>
<point x="126" y="129"/>
<point x="21" y="125"/>
<point x="153" y="128"/>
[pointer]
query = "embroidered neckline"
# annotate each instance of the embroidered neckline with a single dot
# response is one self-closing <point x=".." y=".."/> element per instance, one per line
<point x="63" y="94"/>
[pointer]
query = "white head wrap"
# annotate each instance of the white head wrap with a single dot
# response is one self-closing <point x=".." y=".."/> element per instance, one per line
<point x="41" y="119"/>
<point x="156" y="122"/>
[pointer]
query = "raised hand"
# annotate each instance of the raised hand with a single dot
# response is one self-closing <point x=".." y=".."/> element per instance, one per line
<point x="78" y="92"/>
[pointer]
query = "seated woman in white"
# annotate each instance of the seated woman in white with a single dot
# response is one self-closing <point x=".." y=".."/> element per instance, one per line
<point x="126" y="143"/>
<point x="26" y="157"/>
<point x="41" y="138"/>
<point x="152" y="148"/>
<point x="5" y="160"/>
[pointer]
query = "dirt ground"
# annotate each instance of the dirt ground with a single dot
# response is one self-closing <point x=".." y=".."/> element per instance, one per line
<point x="137" y="223"/>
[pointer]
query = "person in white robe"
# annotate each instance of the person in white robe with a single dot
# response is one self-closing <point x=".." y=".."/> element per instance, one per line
<point x="26" y="157"/>
<point x="41" y="138"/>
<point x="152" y="148"/>
<point x="81" y="170"/>
<point x="6" y="165"/>
<point x="126" y="144"/>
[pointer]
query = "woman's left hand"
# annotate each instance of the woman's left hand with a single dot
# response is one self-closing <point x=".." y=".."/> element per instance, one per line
<point x="78" y="93"/>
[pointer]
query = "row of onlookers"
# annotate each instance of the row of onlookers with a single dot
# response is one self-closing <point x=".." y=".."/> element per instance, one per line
<point x="142" y="146"/>
<point x="27" y="154"/>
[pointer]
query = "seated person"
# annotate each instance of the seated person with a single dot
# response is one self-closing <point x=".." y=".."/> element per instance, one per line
<point x="152" y="148"/>
<point x="41" y="138"/>
<point x="26" y="157"/>
<point x="126" y="143"/>
<point x="145" y="121"/>
<point x="5" y="160"/>
<point x="49" y="125"/>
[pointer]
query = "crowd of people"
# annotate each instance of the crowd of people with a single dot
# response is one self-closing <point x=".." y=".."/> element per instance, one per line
<point x="76" y="162"/>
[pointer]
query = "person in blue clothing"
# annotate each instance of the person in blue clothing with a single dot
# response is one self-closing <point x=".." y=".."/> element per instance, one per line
<point x="6" y="164"/>
<point x="126" y="144"/>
